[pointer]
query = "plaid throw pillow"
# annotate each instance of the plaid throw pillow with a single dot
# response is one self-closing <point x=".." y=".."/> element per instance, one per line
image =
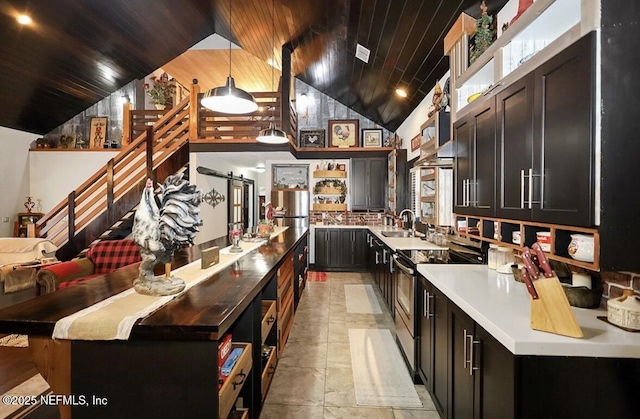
<point x="109" y="255"/>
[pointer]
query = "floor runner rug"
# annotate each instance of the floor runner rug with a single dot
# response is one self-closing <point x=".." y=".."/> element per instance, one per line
<point x="380" y="375"/>
<point x="16" y="341"/>
<point x="361" y="299"/>
<point x="315" y="276"/>
<point x="33" y="389"/>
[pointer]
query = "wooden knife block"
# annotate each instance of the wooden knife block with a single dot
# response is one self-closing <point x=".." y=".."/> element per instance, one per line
<point x="551" y="312"/>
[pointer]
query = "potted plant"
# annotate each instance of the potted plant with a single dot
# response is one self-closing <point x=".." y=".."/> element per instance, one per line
<point x="160" y="91"/>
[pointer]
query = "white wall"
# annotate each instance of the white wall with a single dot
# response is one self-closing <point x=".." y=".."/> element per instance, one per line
<point x="411" y="126"/>
<point x="215" y="219"/>
<point x="54" y="174"/>
<point x="14" y="171"/>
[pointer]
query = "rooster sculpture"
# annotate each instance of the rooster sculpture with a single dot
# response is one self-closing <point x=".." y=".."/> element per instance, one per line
<point x="160" y="231"/>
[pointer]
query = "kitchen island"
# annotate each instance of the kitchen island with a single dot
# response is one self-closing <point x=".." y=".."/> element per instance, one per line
<point x="168" y="367"/>
<point x="475" y="322"/>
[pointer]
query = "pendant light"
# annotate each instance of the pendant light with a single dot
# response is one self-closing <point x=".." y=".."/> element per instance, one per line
<point x="228" y="98"/>
<point x="272" y="135"/>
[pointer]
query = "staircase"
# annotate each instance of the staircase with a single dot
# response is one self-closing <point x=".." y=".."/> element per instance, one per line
<point x="112" y="192"/>
<point x="157" y="145"/>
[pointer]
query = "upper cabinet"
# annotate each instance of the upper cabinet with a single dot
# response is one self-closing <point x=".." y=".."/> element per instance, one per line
<point x="546" y="141"/>
<point x="474" y="167"/>
<point x="544" y="29"/>
<point x="368" y="184"/>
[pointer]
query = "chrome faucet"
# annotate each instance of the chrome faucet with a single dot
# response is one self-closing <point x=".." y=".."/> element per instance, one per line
<point x="413" y="220"/>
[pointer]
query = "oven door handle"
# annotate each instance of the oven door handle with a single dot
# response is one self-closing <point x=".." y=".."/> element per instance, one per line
<point x="402" y="267"/>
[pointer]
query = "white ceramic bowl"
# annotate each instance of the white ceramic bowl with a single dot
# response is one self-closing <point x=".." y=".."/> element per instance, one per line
<point x="581" y="247"/>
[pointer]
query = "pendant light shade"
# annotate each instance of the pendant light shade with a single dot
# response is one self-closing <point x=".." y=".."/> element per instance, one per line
<point x="229" y="99"/>
<point x="272" y="135"/>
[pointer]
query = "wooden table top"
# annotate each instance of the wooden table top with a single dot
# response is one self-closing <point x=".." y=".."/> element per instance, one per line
<point x="203" y="312"/>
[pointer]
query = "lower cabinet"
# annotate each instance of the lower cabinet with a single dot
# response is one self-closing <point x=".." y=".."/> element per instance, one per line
<point x="433" y="343"/>
<point x="471" y="375"/>
<point x="341" y="249"/>
<point x="482" y="371"/>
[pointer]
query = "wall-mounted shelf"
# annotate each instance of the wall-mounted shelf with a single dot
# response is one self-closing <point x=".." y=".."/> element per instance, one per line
<point x="330" y="173"/>
<point x="329" y="207"/>
<point x="499" y="231"/>
<point x="543" y="30"/>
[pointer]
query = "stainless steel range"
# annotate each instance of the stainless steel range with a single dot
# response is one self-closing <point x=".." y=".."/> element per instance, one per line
<point x="406" y="303"/>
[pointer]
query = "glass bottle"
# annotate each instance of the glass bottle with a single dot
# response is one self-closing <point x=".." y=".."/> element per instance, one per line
<point x="492" y="256"/>
<point x="504" y="256"/>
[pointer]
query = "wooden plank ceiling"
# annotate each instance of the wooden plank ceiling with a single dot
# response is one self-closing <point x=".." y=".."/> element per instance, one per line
<point x="78" y="52"/>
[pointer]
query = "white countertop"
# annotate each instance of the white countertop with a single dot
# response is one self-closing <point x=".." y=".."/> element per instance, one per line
<point x="500" y="305"/>
<point x="395" y="243"/>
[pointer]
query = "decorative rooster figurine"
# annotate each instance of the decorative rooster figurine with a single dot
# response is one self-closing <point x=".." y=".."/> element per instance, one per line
<point x="159" y="232"/>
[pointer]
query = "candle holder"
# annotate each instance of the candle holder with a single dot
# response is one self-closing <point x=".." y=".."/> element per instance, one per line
<point x="235" y="233"/>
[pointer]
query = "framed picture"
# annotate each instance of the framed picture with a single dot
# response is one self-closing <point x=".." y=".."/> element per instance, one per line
<point x="98" y="132"/>
<point x="372" y="137"/>
<point x="343" y="133"/>
<point x="290" y="176"/>
<point x="312" y="138"/>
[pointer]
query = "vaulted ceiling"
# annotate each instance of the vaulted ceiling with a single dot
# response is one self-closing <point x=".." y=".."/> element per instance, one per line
<point x="79" y="51"/>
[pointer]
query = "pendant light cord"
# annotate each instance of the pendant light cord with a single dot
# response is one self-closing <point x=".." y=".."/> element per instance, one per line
<point x="230" y="35"/>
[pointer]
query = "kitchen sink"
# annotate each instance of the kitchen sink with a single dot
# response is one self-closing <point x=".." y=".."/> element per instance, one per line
<point x="396" y="233"/>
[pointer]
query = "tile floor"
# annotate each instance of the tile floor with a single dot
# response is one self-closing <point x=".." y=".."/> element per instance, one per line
<point x="314" y="378"/>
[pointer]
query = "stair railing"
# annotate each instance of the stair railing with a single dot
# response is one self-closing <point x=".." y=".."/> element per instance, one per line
<point x="128" y="170"/>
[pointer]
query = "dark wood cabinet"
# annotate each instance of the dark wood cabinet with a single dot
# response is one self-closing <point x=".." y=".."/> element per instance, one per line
<point x="475" y="150"/>
<point x="564" y="126"/>
<point x="440" y="380"/>
<point x="368" y="184"/>
<point x="482" y="371"/>
<point x="544" y="159"/>
<point x="514" y="110"/>
<point x="340" y="249"/>
<point x="433" y="343"/>
<point x="461" y="365"/>
<point x="468" y="373"/>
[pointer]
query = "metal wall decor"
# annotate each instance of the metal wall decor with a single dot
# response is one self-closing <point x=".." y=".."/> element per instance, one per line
<point x="213" y="197"/>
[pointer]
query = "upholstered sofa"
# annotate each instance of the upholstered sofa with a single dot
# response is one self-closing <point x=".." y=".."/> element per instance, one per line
<point x="103" y="257"/>
<point x="17" y="279"/>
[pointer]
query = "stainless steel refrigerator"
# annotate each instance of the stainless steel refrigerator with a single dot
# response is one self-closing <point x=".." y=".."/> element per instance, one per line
<point x="297" y="208"/>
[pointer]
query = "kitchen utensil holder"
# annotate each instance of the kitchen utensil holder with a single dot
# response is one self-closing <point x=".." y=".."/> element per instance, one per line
<point x="551" y="312"/>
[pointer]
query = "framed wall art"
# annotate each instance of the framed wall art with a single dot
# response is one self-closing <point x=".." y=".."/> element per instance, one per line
<point x="372" y="137"/>
<point x="312" y="138"/>
<point x="98" y="132"/>
<point x="343" y="133"/>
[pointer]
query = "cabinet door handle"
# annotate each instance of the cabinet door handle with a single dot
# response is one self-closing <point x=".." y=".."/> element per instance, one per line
<point x="429" y="297"/>
<point x="424" y="304"/>
<point x="377" y="257"/>
<point x="384" y="255"/>
<point x="464" y="192"/>
<point x="530" y="187"/>
<point x="472" y="343"/>
<point x="522" y="188"/>
<point x="464" y="350"/>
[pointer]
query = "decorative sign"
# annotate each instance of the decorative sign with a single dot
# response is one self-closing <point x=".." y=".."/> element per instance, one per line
<point x="213" y="197"/>
<point x="415" y="143"/>
<point x="98" y="132"/>
<point x="210" y="257"/>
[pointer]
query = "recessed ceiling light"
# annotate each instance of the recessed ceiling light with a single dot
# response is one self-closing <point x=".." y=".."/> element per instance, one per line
<point x="401" y="92"/>
<point x="24" y="20"/>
